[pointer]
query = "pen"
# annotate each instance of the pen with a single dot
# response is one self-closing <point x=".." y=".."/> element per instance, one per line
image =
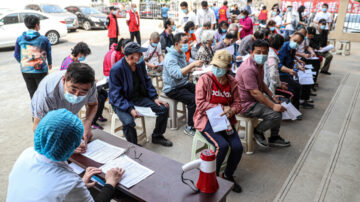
<point x="98" y="180"/>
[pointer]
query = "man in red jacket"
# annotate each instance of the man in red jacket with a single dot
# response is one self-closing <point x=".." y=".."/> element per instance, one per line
<point x="112" y="26"/>
<point x="133" y="21"/>
<point x="224" y="13"/>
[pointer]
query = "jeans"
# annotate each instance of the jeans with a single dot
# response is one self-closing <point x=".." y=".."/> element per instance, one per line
<point x="222" y="141"/>
<point x="102" y="96"/>
<point x="128" y="121"/>
<point x="271" y="119"/>
<point x="186" y="95"/>
<point x="32" y="81"/>
<point x="137" y="35"/>
<point x="111" y="41"/>
<point x="294" y="87"/>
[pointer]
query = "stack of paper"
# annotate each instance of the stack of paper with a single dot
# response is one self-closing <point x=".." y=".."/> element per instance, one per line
<point x="77" y="169"/>
<point x="145" y="111"/>
<point x="326" y="48"/>
<point x="205" y="69"/>
<point x="134" y="172"/>
<point x="306" y="78"/>
<point x="217" y="122"/>
<point x="291" y="112"/>
<point x="102" y="152"/>
<point x="230" y="49"/>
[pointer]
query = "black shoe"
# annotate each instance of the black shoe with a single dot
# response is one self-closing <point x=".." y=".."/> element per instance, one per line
<point x="316" y="85"/>
<point x="327" y="73"/>
<point x="313" y="89"/>
<point x="260" y="139"/>
<point x="310" y="100"/>
<point x="102" y="119"/>
<point x="312" y="94"/>
<point x="307" y="105"/>
<point x="162" y="140"/>
<point x="237" y="188"/>
<point x="277" y="141"/>
<point x="299" y="118"/>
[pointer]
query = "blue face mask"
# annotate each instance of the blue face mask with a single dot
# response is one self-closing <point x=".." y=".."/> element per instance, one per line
<point x="191" y="32"/>
<point x="274" y="13"/>
<point x="218" y="72"/>
<point x="322" y="26"/>
<point x="242" y="17"/>
<point x="293" y="45"/>
<point x="289" y="9"/>
<point x="223" y="30"/>
<point x="140" y="60"/>
<point x="184" y="10"/>
<point x="214" y="42"/>
<point x="260" y="59"/>
<point x="73" y="99"/>
<point x="174" y="27"/>
<point x="306" y="38"/>
<point x="114" y="12"/>
<point x="154" y="44"/>
<point x="135" y="9"/>
<point x="272" y="28"/>
<point x="185" y="48"/>
<point x="324" y="9"/>
<point x="82" y="58"/>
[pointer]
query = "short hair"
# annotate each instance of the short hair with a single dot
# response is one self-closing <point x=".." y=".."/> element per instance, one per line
<point x="264" y="7"/>
<point x="178" y="37"/>
<point x="311" y="30"/>
<point x="245" y="12"/>
<point x="326" y="5"/>
<point x="301" y="9"/>
<point x="276" y="41"/>
<point x="188" y="26"/>
<point x="259" y="35"/>
<point x="214" y="4"/>
<point x="249" y="1"/>
<point x="207" y="24"/>
<point x="82" y="48"/>
<point x="155" y="35"/>
<point x="31" y="21"/>
<point x="260" y="43"/>
<point x="168" y="22"/>
<point x="272" y="8"/>
<point x="322" y="21"/>
<point x="231" y="35"/>
<point x="122" y="43"/>
<point x="299" y="34"/>
<point x="207" y="35"/>
<point x="225" y="3"/>
<point x="80" y="73"/>
<point x="184" y="4"/>
<point x="271" y="23"/>
<point x="222" y="23"/>
<point x="302" y="28"/>
<point x="204" y="4"/>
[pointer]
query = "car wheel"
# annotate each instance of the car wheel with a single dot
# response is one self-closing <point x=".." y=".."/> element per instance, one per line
<point x="53" y="37"/>
<point x="87" y="25"/>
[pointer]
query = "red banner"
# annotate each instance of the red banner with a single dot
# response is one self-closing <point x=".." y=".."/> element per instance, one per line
<point x="315" y="6"/>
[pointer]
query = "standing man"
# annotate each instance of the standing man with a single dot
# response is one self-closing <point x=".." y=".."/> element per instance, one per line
<point x="224" y="13"/>
<point x="70" y="89"/>
<point x="248" y="7"/>
<point x="254" y="103"/>
<point x="133" y="21"/>
<point x="326" y="16"/>
<point x="186" y="15"/>
<point x="164" y="13"/>
<point x="31" y="51"/>
<point x="206" y="15"/>
<point x="130" y="86"/>
<point x="112" y="26"/>
<point x="216" y="12"/>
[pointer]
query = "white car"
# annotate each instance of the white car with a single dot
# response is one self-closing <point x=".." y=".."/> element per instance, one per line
<point x="12" y="26"/>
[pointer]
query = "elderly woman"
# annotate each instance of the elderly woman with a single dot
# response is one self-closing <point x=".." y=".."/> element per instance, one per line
<point x="213" y="89"/>
<point x="42" y="173"/>
<point x="205" y="52"/>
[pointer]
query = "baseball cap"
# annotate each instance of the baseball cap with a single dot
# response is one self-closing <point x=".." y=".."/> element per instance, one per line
<point x="133" y="47"/>
<point x="222" y="59"/>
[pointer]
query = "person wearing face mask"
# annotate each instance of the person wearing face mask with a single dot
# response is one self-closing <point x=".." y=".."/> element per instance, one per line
<point x="153" y="57"/>
<point x="78" y="54"/>
<point x="221" y="31"/>
<point x="291" y="21"/>
<point x="213" y="89"/>
<point x="206" y="52"/>
<point x="276" y="17"/>
<point x="130" y="86"/>
<point x="248" y="7"/>
<point x="230" y="39"/>
<point x="271" y="26"/>
<point x="133" y="21"/>
<point x="323" y="14"/>
<point x="206" y="15"/>
<point x="254" y="103"/>
<point x="115" y="54"/>
<point x="190" y="33"/>
<point x="186" y="15"/>
<point x="199" y="32"/>
<point x="70" y="89"/>
<point x="246" y="43"/>
<point x="112" y="26"/>
<point x="167" y="37"/>
<point x="263" y="15"/>
<point x="245" y="24"/>
<point x="176" y="77"/>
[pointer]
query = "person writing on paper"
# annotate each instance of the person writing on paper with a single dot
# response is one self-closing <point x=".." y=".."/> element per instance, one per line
<point x="247" y="42"/>
<point x="70" y="89"/>
<point x="213" y="89"/>
<point x="176" y="77"/>
<point x="314" y="44"/>
<point x="41" y="173"/>
<point x="229" y="39"/>
<point x="130" y="86"/>
<point x="206" y="52"/>
<point x="254" y="103"/>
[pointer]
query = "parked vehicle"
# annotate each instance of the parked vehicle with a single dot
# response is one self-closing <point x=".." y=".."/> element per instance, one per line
<point x="12" y="25"/>
<point x="54" y="10"/>
<point x="106" y="10"/>
<point x="89" y="17"/>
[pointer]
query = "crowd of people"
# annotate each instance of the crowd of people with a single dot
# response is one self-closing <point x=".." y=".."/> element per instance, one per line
<point x="253" y="70"/>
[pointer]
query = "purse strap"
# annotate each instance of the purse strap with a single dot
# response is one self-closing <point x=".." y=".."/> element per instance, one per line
<point x="221" y="91"/>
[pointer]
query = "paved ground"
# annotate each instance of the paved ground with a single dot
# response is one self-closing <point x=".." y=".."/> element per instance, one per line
<point x="261" y="175"/>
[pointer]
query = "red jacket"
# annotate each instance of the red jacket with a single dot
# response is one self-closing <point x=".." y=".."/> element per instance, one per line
<point x="112" y="26"/>
<point x="222" y="14"/>
<point x="134" y="22"/>
<point x="111" y="58"/>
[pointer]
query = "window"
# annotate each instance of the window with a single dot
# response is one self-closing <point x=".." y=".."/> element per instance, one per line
<point x="24" y="15"/>
<point x="52" y="9"/>
<point x="33" y="7"/>
<point x="10" y="19"/>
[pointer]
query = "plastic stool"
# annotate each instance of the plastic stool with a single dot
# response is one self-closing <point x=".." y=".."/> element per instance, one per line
<point x="343" y="47"/>
<point x="332" y="42"/>
<point x="158" y="82"/>
<point x="250" y="124"/>
<point x="173" y="121"/>
<point x="82" y="113"/>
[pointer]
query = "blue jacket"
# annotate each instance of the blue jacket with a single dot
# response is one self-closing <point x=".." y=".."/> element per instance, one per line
<point x="172" y="76"/>
<point x="121" y="84"/>
<point x="287" y="57"/>
<point x="31" y="51"/>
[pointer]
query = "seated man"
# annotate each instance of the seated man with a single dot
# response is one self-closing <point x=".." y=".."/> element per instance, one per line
<point x="129" y="86"/>
<point x="70" y="89"/>
<point x="176" y="78"/>
<point x="167" y="37"/>
<point x="254" y="103"/>
<point x="230" y="38"/>
<point x="153" y="56"/>
<point x="247" y="42"/>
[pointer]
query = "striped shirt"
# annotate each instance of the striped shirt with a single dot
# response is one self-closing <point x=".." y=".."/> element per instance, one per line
<point x="66" y="62"/>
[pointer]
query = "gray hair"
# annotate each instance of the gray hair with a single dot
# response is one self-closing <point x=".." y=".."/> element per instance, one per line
<point x="207" y="24"/>
<point x="207" y="36"/>
<point x="155" y="35"/>
<point x="232" y="26"/>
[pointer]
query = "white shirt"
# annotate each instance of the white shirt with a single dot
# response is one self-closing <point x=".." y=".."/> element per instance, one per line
<point x="277" y="19"/>
<point x="154" y="60"/>
<point x="289" y="17"/>
<point x="326" y="16"/>
<point x="190" y="16"/>
<point x="128" y="16"/>
<point x="38" y="179"/>
<point x="206" y="16"/>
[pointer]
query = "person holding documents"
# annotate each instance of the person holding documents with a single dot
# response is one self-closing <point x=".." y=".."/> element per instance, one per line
<point x="70" y="89"/>
<point x="218" y="88"/>
<point x="41" y="173"/>
<point x="130" y="86"/>
<point x="254" y="103"/>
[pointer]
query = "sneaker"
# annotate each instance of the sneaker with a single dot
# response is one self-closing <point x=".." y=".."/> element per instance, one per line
<point x="237" y="188"/>
<point x="299" y="118"/>
<point x="190" y="131"/>
<point x="102" y="119"/>
<point x="312" y="94"/>
<point x="278" y="141"/>
<point x="327" y="73"/>
<point x="307" y="105"/>
<point x="260" y="139"/>
<point x="310" y="100"/>
<point x="96" y="126"/>
<point x="162" y="140"/>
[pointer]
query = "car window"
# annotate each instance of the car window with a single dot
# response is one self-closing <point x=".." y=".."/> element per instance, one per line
<point x="52" y="9"/>
<point x="33" y="7"/>
<point x="10" y="19"/>
<point x="89" y="10"/>
<point x="23" y="16"/>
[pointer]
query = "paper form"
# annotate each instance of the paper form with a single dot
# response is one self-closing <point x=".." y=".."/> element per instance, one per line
<point x="326" y="48"/>
<point x="291" y="112"/>
<point x="205" y="69"/>
<point x="77" y="169"/>
<point x="102" y="152"/>
<point x="134" y="172"/>
<point x="145" y="111"/>
<point x="230" y="49"/>
<point x="309" y="66"/>
<point x="313" y="58"/>
<point x="217" y="122"/>
<point x="306" y="78"/>
<point x="102" y="82"/>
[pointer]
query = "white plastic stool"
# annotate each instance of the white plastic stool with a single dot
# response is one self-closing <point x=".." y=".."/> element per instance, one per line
<point x="343" y="47"/>
<point x="158" y="82"/>
<point x="332" y="42"/>
<point x="173" y="121"/>
<point x="82" y="113"/>
<point x="250" y="124"/>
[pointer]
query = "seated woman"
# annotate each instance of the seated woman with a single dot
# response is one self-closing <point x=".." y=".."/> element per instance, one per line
<point x="206" y="52"/>
<point x="189" y="31"/>
<point x="246" y="24"/>
<point x="213" y="89"/>
<point x="115" y="54"/>
<point x="78" y="54"/>
<point x="41" y="173"/>
<point x="271" y="26"/>
<point x="221" y="31"/>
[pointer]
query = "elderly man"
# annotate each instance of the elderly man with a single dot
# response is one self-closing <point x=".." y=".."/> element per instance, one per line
<point x="130" y="86"/>
<point x="71" y="90"/>
<point x="133" y="21"/>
